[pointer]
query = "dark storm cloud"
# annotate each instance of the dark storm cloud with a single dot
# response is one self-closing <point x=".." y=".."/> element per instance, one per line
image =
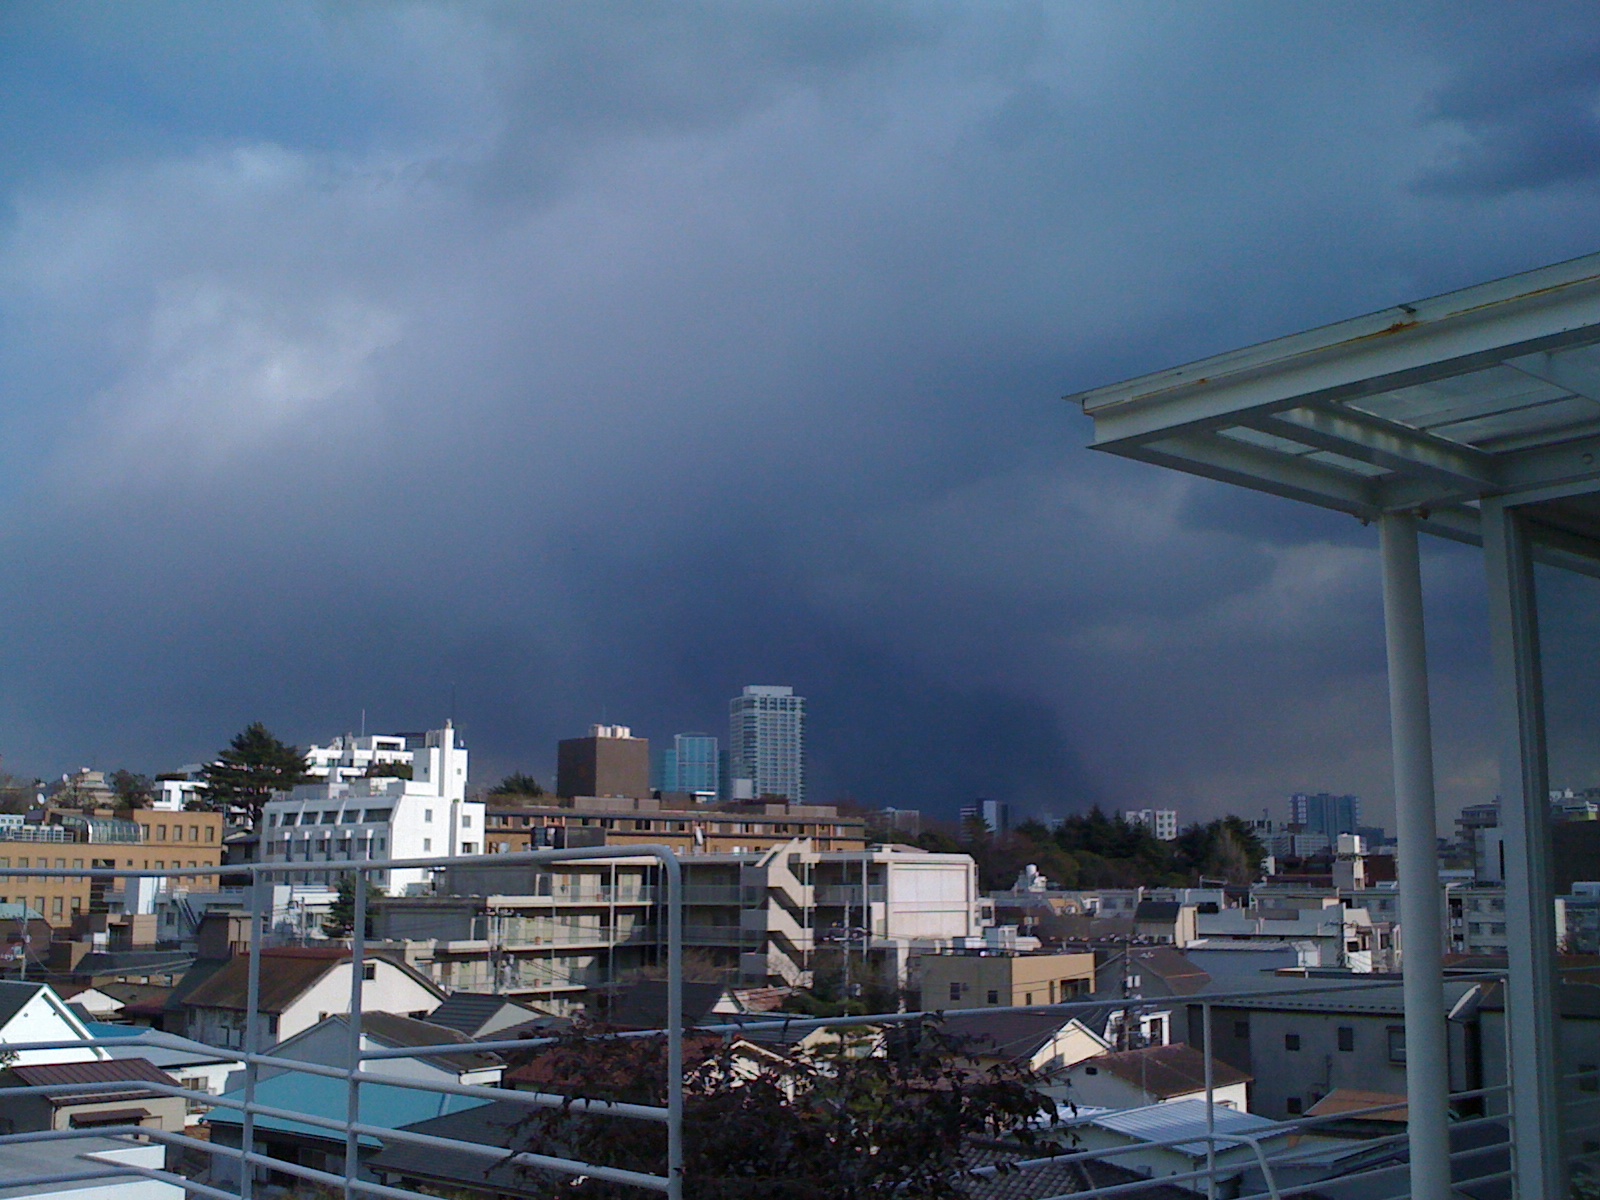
<point x="597" y="360"/>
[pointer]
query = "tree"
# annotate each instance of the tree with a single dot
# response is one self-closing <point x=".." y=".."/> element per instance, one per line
<point x="18" y="795"/>
<point x="341" y="918"/>
<point x="133" y="791"/>
<point x="251" y="769"/>
<point x="835" y="1123"/>
<point x="518" y="784"/>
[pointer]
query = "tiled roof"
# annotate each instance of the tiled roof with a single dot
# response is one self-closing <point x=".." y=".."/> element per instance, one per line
<point x="13" y="995"/>
<point x="107" y="1071"/>
<point x="471" y="1012"/>
<point x="286" y="973"/>
<point x="1163" y="1071"/>
<point x="408" y="1031"/>
<point x="1008" y="1035"/>
<point x="644" y="1005"/>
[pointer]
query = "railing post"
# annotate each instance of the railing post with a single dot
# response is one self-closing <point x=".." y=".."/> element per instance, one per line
<point x="673" y="871"/>
<point x="252" y="1045"/>
<point x="1211" y="1103"/>
<point x="1411" y="725"/>
<point x="358" y="944"/>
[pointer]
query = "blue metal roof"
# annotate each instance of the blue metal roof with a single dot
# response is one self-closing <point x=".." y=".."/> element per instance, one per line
<point x="381" y="1104"/>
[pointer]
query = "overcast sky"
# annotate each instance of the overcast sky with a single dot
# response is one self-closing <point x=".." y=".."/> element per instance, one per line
<point x="594" y="360"/>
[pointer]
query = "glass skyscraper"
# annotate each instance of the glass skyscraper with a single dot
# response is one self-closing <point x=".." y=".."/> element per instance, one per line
<point x="691" y="765"/>
<point x="767" y="744"/>
<point x="1325" y="813"/>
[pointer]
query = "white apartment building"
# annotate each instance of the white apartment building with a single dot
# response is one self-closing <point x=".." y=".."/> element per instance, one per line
<point x="559" y="933"/>
<point x="340" y="818"/>
<point x="352" y="757"/>
<point x="767" y="744"/>
<point x="1162" y="822"/>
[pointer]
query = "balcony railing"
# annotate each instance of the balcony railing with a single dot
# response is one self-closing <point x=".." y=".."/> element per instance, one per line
<point x="1290" y="1161"/>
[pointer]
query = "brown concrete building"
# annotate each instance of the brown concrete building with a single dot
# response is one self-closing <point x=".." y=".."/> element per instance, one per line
<point x="609" y="762"/>
<point x="687" y="827"/>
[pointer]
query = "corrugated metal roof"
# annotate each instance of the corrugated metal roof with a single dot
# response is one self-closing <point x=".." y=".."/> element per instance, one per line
<point x="1180" y="1119"/>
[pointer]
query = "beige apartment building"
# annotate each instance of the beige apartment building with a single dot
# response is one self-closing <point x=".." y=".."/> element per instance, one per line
<point x="688" y="828"/>
<point x="1001" y="979"/>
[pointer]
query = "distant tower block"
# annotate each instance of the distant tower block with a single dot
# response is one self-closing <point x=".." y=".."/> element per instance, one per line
<point x="767" y="744"/>
<point x="609" y="762"/>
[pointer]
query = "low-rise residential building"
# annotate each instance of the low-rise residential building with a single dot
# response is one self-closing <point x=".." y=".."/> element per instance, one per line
<point x="1299" y="1044"/>
<point x="379" y="816"/>
<point x="1047" y="1042"/>
<point x="984" y="978"/>
<point x="328" y="1043"/>
<point x="33" y="1012"/>
<point x="1153" y="1075"/>
<point x="298" y="988"/>
<point x="91" y="1093"/>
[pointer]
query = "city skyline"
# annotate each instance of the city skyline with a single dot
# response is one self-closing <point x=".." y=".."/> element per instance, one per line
<point x="345" y="368"/>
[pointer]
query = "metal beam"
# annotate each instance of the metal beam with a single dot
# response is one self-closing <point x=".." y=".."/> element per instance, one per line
<point x="1296" y="478"/>
<point x="1525" y="819"/>
<point x="1579" y="376"/>
<point x="1381" y="443"/>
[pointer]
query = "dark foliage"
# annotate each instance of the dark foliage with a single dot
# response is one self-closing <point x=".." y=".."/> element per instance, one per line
<point x="251" y="769"/>
<point x="341" y="918"/>
<point x="1091" y="850"/>
<point x="133" y="791"/>
<point x="517" y="785"/>
<point x="839" y="1123"/>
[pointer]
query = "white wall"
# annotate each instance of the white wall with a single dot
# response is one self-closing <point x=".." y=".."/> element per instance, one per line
<point x="391" y="990"/>
<point x="45" y="1018"/>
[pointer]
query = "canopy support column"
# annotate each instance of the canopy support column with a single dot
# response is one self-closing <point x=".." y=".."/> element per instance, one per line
<point x="1525" y="823"/>
<point x="1411" y="726"/>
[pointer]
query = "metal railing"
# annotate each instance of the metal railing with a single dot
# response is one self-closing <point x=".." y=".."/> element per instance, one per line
<point x="1273" y="1164"/>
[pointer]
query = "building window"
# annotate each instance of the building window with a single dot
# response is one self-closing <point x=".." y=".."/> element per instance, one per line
<point x="955" y="991"/>
<point x="1291" y="1041"/>
<point x="466" y="820"/>
<point x="427" y="816"/>
<point x="1397" y="1043"/>
<point x="994" y="996"/>
<point x="1347" y="1037"/>
<point x="427" y="845"/>
<point x="211" y="833"/>
<point x="1294" y="1106"/>
<point x="369" y="970"/>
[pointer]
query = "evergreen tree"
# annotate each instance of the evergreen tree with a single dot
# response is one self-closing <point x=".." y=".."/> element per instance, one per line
<point x="341" y="918"/>
<point x="519" y="785"/>
<point x="251" y="769"/>
<point x="133" y="791"/>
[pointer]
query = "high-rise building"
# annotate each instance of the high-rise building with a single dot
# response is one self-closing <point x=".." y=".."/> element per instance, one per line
<point x="691" y="765"/>
<point x="1325" y="813"/>
<point x="767" y="744"/>
<point x="996" y="814"/>
<point x="609" y="762"/>
<point x="1163" y="822"/>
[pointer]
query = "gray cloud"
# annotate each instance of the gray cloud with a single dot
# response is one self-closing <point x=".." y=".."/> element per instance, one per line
<point x="605" y="359"/>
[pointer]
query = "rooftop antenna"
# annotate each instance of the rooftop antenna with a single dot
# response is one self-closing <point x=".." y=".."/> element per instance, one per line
<point x="452" y="704"/>
<point x="363" y="722"/>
